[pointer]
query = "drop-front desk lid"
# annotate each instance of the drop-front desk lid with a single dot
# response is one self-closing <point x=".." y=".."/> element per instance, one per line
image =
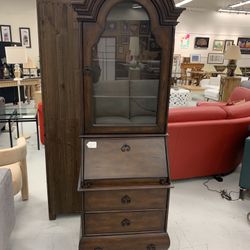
<point x="117" y="159"/>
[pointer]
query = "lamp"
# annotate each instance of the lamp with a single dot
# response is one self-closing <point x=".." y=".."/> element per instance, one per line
<point x="134" y="48"/>
<point x="232" y="55"/>
<point x="209" y="68"/>
<point x="238" y="71"/>
<point x="17" y="55"/>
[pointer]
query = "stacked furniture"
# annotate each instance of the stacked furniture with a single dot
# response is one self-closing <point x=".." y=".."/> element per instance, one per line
<point x="210" y="137"/>
<point x="70" y="35"/>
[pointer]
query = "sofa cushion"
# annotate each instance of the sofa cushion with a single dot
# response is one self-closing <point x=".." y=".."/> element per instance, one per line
<point x="202" y="113"/>
<point x="240" y="93"/>
<point x="237" y="111"/>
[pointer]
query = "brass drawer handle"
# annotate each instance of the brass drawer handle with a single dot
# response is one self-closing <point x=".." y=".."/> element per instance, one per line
<point x="125" y="148"/>
<point x="126" y="199"/>
<point x="151" y="247"/>
<point x="125" y="223"/>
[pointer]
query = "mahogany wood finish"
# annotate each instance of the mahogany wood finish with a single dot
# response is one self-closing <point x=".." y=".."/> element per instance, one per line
<point x="135" y="199"/>
<point x="164" y="33"/>
<point x="147" y="154"/>
<point x="124" y="222"/>
<point x="135" y="242"/>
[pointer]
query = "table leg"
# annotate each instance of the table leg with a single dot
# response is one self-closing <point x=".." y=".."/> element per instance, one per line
<point x="37" y="133"/>
<point x="10" y="133"/>
<point x="17" y="129"/>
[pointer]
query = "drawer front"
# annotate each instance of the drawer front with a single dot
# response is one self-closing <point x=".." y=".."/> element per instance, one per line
<point x="126" y="242"/>
<point x="106" y="223"/>
<point x="124" y="158"/>
<point x="126" y="199"/>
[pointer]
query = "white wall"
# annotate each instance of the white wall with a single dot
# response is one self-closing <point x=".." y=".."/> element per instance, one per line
<point x="21" y="13"/>
<point x="219" y="26"/>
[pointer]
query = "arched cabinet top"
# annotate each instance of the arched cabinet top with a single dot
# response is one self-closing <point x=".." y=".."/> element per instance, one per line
<point x="88" y="10"/>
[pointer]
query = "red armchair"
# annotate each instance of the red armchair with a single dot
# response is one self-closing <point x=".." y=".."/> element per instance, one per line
<point x="208" y="140"/>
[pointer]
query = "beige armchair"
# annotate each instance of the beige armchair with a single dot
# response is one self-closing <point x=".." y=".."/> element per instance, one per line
<point x="15" y="160"/>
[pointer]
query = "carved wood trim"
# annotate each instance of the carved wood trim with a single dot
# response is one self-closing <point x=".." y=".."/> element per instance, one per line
<point x="87" y="10"/>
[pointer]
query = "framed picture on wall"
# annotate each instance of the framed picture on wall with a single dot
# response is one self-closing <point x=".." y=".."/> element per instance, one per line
<point x="195" y="58"/>
<point x="124" y="27"/>
<point x="144" y="27"/>
<point x="227" y="44"/>
<point x="219" y="45"/>
<point x="25" y="37"/>
<point x="5" y="33"/>
<point x="215" y="58"/>
<point x="244" y="44"/>
<point x="201" y="42"/>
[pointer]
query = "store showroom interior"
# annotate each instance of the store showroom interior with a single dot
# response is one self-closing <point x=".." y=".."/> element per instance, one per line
<point x="124" y="125"/>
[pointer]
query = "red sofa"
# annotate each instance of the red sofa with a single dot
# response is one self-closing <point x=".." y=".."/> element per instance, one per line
<point x="41" y="121"/>
<point x="208" y="139"/>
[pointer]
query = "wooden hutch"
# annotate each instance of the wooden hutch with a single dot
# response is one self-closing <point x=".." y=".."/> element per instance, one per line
<point x="121" y="116"/>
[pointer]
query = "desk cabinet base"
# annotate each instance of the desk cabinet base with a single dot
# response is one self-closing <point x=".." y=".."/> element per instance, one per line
<point x="126" y="242"/>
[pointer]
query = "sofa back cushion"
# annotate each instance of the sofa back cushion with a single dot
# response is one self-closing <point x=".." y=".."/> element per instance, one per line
<point x="240" y="93"/>
<point x="237" y="110"/>
<point x="202" y="113"/>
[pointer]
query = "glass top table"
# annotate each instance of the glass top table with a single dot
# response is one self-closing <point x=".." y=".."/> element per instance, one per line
<point x="17" y="115"/>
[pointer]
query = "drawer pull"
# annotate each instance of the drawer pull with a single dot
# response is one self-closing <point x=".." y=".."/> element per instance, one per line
<point x="151" y="247"/>
<point x="98" y="248"/>
<point x="125" y="223"/>
<point x="125" y="148"/>
<point x="126" y="199"/>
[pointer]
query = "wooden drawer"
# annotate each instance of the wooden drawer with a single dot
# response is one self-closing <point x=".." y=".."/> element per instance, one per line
<point x="106" y="223"/>
<point x="126" y="242"/>
<point x="126" y="199"/>
<point x="124" y="158"/>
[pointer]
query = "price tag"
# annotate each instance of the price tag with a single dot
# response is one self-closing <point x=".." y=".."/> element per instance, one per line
<point x="92" y="144"/>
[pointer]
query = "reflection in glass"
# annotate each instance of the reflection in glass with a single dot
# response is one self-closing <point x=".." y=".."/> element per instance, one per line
<point x="126" y="69"/>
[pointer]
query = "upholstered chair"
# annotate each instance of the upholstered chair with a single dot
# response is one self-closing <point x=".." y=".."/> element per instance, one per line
<point x="15" y="160"/>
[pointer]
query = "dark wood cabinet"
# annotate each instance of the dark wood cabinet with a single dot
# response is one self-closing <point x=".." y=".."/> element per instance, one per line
<point x="124" y="177"/>
<point x="121" y="155"/>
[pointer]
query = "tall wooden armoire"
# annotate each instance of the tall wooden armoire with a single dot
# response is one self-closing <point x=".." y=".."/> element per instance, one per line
<point x="106" y="73"/>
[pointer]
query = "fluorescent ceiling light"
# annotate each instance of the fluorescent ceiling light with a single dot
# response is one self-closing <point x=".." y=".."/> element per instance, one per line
<point x="183" y="2"/>
<point x="234" y="11"/>
<point x="136" y="6"/>
<point x="239" y="4"/>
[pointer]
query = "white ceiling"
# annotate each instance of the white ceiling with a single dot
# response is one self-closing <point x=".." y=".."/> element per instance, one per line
<point x="213" y="4"/>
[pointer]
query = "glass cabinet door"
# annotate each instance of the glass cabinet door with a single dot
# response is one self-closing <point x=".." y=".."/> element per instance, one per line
<point x="125" y="70"/>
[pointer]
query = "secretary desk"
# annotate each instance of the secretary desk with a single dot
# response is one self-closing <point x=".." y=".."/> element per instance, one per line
<point x="119" y="54"/>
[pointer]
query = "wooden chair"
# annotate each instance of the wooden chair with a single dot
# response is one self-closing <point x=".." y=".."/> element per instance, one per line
<point x="15" y="160"/>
